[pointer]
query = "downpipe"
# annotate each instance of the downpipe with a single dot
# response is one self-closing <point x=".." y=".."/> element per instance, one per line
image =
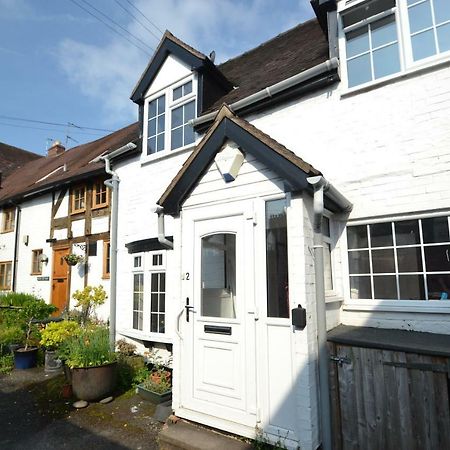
<point x="321" y="186"/>
<point x="162" y="239"/>
<point x="16" y="247"/>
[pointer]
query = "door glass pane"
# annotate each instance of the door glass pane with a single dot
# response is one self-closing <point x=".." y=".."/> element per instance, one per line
<point x="218" y="275"/>
<point x="277" y="259"/>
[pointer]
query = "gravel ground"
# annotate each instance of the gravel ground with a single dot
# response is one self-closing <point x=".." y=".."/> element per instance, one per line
<point x="33" y="415"/>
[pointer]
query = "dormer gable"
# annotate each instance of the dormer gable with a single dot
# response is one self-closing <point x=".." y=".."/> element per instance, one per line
<point x="208" y="74"/>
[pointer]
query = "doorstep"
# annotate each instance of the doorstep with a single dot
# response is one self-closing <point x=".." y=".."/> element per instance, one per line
<point x="183" y="435"/>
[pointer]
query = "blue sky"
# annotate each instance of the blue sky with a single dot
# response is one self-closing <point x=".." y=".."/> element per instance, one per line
<point x="61" y="65"/>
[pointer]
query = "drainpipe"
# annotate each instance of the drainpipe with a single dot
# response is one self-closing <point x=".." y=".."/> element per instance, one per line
<point x="321" y="186"/>
<point x="161" y="228"/>
<point x="16" y="248"/>
<point x="113" y="184"/>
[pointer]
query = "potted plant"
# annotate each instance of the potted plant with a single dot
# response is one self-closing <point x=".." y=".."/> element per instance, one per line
<point x="157" y="389"/>
<point x="53" y="337"/>
<point x="72" y="259"/>
<point x="33" y="311"/>
<point x="92" y="363"/>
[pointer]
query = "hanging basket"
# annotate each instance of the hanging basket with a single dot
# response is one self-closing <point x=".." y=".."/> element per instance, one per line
<point x="72" y="259"/>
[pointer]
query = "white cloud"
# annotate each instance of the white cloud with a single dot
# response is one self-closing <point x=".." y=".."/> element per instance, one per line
<point x="108" y="73"/>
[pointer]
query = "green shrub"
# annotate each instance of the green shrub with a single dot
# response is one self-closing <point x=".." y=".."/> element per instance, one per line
<point x="88" y="299"/>
<point x="89" y="348"/>
<point x="55" y="333"/>
<point x="131" y="370"/>
<point x="6" y="363"/>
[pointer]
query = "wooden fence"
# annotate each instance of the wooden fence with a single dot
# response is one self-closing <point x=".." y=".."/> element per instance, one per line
<point x="389" y="399"/>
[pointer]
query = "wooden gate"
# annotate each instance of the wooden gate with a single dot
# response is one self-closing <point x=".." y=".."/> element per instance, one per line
<point x="384" y="399"/>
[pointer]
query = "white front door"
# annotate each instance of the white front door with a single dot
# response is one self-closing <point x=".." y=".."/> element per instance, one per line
<point x="218" y="347"/>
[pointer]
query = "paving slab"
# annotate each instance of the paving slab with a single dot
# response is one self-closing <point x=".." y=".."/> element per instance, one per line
<point x="184" y="435"/>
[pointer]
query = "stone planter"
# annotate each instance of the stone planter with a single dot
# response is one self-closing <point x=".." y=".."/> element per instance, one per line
<point x="52" y="362"/>
<point x="94" y="383"/>
<point x="153" y="397"/>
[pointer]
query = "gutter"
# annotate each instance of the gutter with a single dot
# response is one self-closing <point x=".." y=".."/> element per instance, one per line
<point x="322" y="186"/>
<point x="274" y="89"/>
<point x="161" y="228"/>
<point x="113" y="184"/>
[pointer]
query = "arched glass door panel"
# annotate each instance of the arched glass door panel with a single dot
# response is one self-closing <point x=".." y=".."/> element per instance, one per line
<point x="218" y="275"/>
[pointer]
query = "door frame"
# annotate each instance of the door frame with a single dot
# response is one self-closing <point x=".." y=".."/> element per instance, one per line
<point x="188" y="217"/>
<point x="69" y="273"/>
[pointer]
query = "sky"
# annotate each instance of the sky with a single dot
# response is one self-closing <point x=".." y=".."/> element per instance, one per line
<point x="61" y="65"/>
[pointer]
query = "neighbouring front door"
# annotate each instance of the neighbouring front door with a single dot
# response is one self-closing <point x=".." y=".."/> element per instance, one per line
<point x="218" y="354"/>
<point x="60" y="279"/>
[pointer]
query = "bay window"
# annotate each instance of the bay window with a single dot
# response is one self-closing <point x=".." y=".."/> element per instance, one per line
<point x="167" y="116"/>
<point x="400" y="260"/>
<point x="385" y="37"/>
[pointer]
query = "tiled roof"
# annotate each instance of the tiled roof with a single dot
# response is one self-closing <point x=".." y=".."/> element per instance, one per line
<point x="286" y="55"/>
<point x="12" y="158"/>
<point x="73" y="163"/>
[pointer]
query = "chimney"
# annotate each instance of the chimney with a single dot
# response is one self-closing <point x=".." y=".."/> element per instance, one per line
<point x="56" y="149"/>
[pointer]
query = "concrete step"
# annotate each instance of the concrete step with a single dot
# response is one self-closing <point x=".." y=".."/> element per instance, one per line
<point x="183" y="435"/>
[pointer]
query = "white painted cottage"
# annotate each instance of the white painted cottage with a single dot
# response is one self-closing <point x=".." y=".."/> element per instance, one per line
<point x="344" y="119"/>
<point x="308" y="171"/>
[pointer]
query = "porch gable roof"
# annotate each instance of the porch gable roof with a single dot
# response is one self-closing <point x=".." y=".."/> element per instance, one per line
<point x="252" y="140"/>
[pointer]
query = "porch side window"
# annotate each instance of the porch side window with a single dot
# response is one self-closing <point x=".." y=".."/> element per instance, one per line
<point x="277" y="259"/>
<point x="401" y="260"/>
<point x="218" y="275"/>
<point x="138" y="301"/>
<point x="156" y="125"/>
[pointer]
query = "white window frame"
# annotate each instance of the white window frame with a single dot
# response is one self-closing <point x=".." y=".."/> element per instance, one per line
<point x="407" y="63"/>
<point x="367" y="305"/>
<point x="170" y="105"/>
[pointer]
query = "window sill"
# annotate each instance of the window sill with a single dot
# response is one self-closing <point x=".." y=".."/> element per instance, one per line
<point x="403" y="306"/>
<point x="333" y="298"/>
<point x="6" y="231"/>
<point x="165" y="154"/>
<point x="143" y="336"/>
<point x="34" y="274"/>
<point x="412" y="71"/>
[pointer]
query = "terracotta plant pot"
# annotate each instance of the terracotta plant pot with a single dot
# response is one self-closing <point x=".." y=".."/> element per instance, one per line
<point x="94" y="383"/>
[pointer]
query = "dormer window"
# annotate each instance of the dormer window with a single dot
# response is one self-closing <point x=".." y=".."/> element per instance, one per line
<point x="171" y="109"/>
<point x="386" y="37"/>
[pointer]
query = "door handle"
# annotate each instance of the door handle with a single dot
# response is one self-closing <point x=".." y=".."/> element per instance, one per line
<point x="188" y="308"/>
